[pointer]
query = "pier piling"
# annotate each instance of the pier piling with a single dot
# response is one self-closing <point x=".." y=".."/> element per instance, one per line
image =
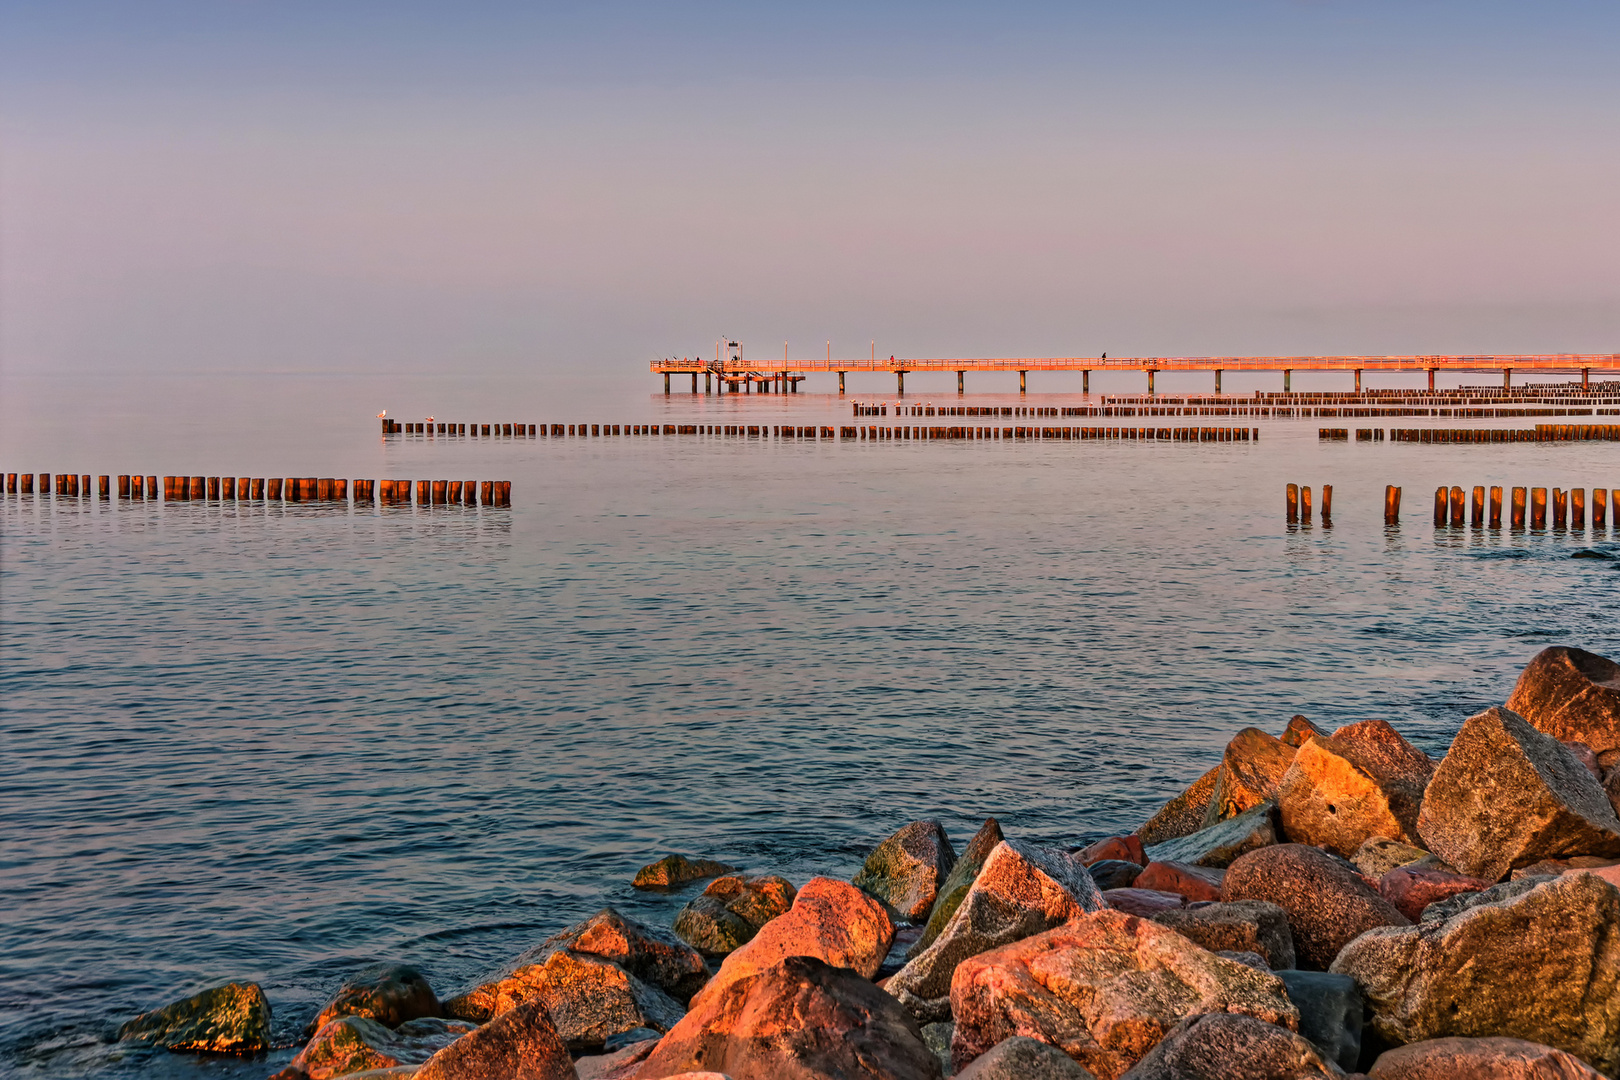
<point x="1392" y="505"/>
<point x="1293" y="504"/>
<point x="1516" y="510"/>
<point x="1538" y="508"/>
<point x="1496" y="507"/>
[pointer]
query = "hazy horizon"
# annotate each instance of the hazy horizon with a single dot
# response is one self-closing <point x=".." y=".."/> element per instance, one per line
<point x="421" y="187"/>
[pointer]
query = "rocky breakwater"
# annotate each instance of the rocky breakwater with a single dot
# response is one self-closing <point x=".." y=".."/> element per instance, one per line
<point x="1315" y="904"/>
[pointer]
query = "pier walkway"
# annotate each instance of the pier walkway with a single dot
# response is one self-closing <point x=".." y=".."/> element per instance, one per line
<point x="738" y="375"/>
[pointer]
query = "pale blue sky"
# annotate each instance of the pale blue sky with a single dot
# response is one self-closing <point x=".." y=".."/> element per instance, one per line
<point x="368" y="186"/>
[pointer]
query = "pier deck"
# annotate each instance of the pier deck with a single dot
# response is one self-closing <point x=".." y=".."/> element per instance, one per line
<point x="786" y="374"/>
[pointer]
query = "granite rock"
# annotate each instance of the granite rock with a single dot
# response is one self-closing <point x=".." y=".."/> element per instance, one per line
<point x="1411" y="889"/>
<point x="1379" y="855"/>
<point x="1573" y="695"/>
<point x="731" y="911"/>
<point x="229" y="1019"/>
<point x="1252" y="766"/>
<point x="1104" y="988"/>
<point x="352" y="1043"/>
<point x="1023" y="1058"/>
<point x="907" y="870"/>
<point x="1542" y="966"/>
<point x="1123" y="848"/>
<point x="1331" y="1013"/>
<point x="1114" y="873"/>
<point x="389" y="994"/>
<point x="1231" y="1046"/>
<point x="1183" y="814"/>
<point x="1507" y="796"/>
<point x="1490" y="1058"/>
<point x="1143" y="902"/>
<point x="673" y="871"/>
<point x="1362" y="781"/>
<point x="518" y="1045"/>
<point x="1193" y="882"/>
<point x="1256" y="926"/>
<point x="1328" y="903"/>
<point x="1219" y="844"/>
<point x="958" y="881"/>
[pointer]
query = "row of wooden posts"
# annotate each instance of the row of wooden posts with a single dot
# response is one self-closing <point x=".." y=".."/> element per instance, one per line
<point x="267" y="489"/>
<point x="1299" y="504"/>
<point x="1538" y="434"/>
<point x="902" y="432"/>
<point x="487" y="431"/>
<point x="1454" y="506"/>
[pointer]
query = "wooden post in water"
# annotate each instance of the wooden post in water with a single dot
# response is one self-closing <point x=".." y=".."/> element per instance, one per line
<point x="1516" y="512"/>
<point x="1439" y="506"/>
<point x="486" y="492"/>
<point x="275" y="489"/>
<point x="1293" y="504"/>
<point x="1600" y="507"/>
<point x="454" y="495"/>
<point x="441" y="488"/>
<point x="1577" y="508"/>
<point x="1560" y="508"/>
<point x="1496" y="507"/>
<point x="25" y="483"/>
<point x="1538" y="508"/>
<point x="227" y="487"/>
<point x="1305" y="505"/>
<point x="1327" y="504"/>
<point x="123" y="486"/>
<point x="422" y="495"/>
<point x="1392" y="505"/>
<point x="104" y="486"/>
<point x="151" y="487"/>
<point x="213" y="487"/>
<point x="1457" y="507"/>
<point x="1476" y="508"/>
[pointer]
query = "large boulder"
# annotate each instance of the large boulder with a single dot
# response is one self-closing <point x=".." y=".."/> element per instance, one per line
<point x="830" y="920"/>
<point x="798" y="1019"/>
<point x="1192" y="882"/>
<point x="589" y="999"/>
<point x="1183" y="814"/>
<point x="731" y="911"/>
<point x="1144" y="902"/>
<point x="958" y="881"/>
<point x="1120" y="848"/>
<point x="1328" y="903"/>
<point x="1331" y="1013"/>
<point x="1254" y="926"/>
<point x="1506" y="795"/>
<point x="1542" y="966"/>
<point x="389" y="994"/>
<point x="1232" y="1047"/>
<point x="1573" y="695"/>
<point x="1217" y="845"/>
<point x="1022" y="890"/>
<point x="1251" y="768"/>
<point x="673" y="871"/>
<point x="1362" y="781"/>
<point x="1299" y="731"/>
<point x="518" y="1045"/>
<point x="351" y="1044"/>
<point x="1413" y="888"/>
<point x="1023" y="1058"/>
<point x="1114" y="873"/>
<point x="1104" y="988"/>
<point x="1490" y="1058"/>
<point x="907" y="870"/>
<point x="229" y="1019"/>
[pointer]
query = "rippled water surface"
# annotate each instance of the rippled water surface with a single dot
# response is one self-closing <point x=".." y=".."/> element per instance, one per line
<point x="277" y="742"/>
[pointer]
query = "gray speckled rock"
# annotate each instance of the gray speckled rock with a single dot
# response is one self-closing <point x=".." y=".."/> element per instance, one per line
<point x="1506" y="795"/>
<point x="907" y="870"/>
<point x="1232" y="1047"/>
<point x="1573" y="695"/>
<point x="1219" y="844"/>
<point x="1331" y="1013"/>
<point x="351" y="1044"/>
<point x="1479" y="1059"/>
<point x="1183" y="814"/>
<point x="958" y="881"/>
<point x="518" y="1045"/>
<point x="1542" y="966"/>
<point x="1023" y="1058"/>
<point x="1327" y="901"/>
<point x="1257" y="926"/>
<point x="1022" y="890"/>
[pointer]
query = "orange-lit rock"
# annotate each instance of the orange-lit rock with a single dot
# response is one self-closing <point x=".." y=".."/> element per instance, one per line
<point x="1144" y="902"/>
<point x="798" y="1018"/>
<point x="957" y="883"/>
<point x="1123" y="848"/>
<point x="519" y="1045"/>
<point x="1184" y="879"/>
<point x="351" y="1044"/>
<point x="1251" y="768"/>
<point x="1571" y="694"/>
<point x="1489" y="1058"/>
<point x="1181" y="815"/>
<point x="1363" y="781"/>
<point x="1413" y="888"/>
<point x="673" y="871"/>
<point x="1105" y="989"/>
<point x="389" y="994"/>
<point x="1255" y="926"/>
<point x="1229" y="1046"/>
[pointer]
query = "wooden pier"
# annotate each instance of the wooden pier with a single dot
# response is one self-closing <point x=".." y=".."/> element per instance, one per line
<point x="736" y="374"/>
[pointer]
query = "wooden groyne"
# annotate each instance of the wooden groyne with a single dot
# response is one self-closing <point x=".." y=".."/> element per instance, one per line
<point x="1541" y="433"/>
<point x="1299" y="504"/>
<point x="291" y="489"/>
<point x="1455" y="507"/>
<point x="905" y="432"/>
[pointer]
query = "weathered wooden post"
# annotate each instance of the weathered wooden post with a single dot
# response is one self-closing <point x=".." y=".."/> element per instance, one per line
<point x="274" y="483"/>
<point x="1577" y="508"/>
<point x="1327" y="504"/>
<point x="441" y="490"/>
<point x="1538" y="508"/>
<point x="1305" y="505"/>
<point x="422" y="492"/>
<point x="1293" y="504"/>
<point x="123" y="485"/>
<point x="104" y="486"/>
<point x="1440" y="506"/>
<point x="1560" y="508"/>
<point x="1392" y="505"/>
<point x="1496" y="507"/>
<point x="1600" y="508"/>
<point x="1516" y="511"/>
<point x="1457" y="507"/>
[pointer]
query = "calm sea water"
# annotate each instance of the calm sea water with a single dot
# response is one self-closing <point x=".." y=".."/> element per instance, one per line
<point x="279" y="742"/>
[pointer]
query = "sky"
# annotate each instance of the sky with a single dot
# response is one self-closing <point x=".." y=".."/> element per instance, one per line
<point x="236" y="185"/>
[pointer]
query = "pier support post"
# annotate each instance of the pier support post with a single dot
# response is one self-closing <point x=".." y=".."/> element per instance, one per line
<point x="1431" y="379"/>
<point x="840" y="382"/>
<point x="1150" y="374"/>
<point x="1358" y="380"/>
<point x="1085" y="381"/>
<point x="708" y="385"/>
<point x="960" y="389"/>
<point x="1288" y="381"/>
<point x="900" y="382"/>
<point x="1022" y="381"/>
<point x="694" y="382"/>
<point x="1507" y="378"/>
<point x="1586" y="378"/>
<point x="1217" y="380"/>
<point x="666" y="382"/>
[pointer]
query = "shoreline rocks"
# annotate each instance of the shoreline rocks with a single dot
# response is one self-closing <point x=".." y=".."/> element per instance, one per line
<point x="229" y="1019"/>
